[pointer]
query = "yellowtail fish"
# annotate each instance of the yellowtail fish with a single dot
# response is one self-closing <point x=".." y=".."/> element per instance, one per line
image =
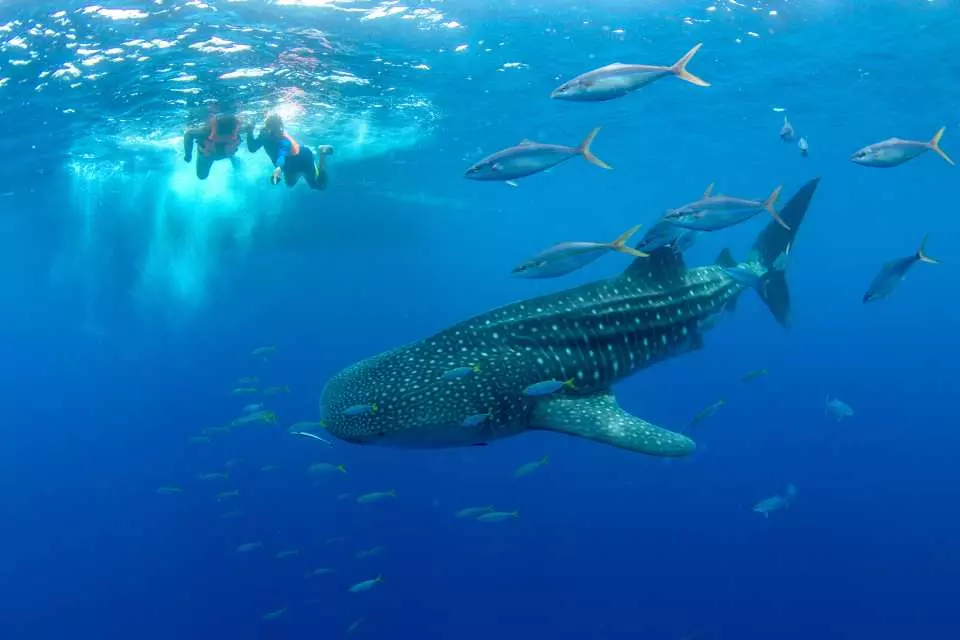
<point x="376" y="496"/>
<point x="753" y="375"/>
<point x="716" y="212"/>
<point x="273" y="615"/>
<point x="247" y="381"/>
<point x="266" y="417"/>
<point x="530" y="467"/>
<point x="617" y="80"/>
<point x="250" y="546"/>
<point x="894" y="151"/>
<point x="322" y="571"/>
<point x="366" y="585"/>
<point x="498" y="516"/>
<point x="253" y="407"/>
<point x="288" y="553"/>
<point x="706" y="413"/>
<point x="223" y="495"/>
<point x="471" y="513"/>
<point x="529" y="157"/>
<point x="893" y="273"/>
<point x="777" y="502"/>
<point x="567" y="257"/>
<point x="169" y="491"/>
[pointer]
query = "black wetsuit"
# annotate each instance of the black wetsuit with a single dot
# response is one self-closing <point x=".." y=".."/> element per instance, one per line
<point x="281" y="154"/>
<point x="212" y="146"/>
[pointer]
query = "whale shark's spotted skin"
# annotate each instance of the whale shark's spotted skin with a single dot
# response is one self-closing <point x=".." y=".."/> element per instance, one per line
<point x="595" y="334"/>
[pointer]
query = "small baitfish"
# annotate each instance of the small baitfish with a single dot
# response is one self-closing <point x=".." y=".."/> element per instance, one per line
<point x="894" y="151"/>
<point x="707" y="413"/>
<point x="893" y="273"/>
<point x="567" y="257"/>
<point x="366" y="585"/>
<point x="716" y="212"/>
<point x="777" y="502"/>
<point x="837" y="409"/>
<point x="376" y="496"/>
<point x="361" y="409"/>
<point x="326" y="467"/>
<point x="274" y="615"/>
<point x="475" y="420"/>
<point x="249" y="546"/>
<point x="617" y="80"/>
<point x="471" y="513"/>
<point x="528" y="158"/>
<point x="530" y="467"/>
<point x="460" y="372"/>
<point x="263" y="352"/>
<point x="250" y="408"/>
<point x="548" y="387"/>
<point x="498" y="516"/>
<point x="753" y="375"/>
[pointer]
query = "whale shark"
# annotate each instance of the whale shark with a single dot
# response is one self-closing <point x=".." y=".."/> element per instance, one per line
<point x="589" y="337"/>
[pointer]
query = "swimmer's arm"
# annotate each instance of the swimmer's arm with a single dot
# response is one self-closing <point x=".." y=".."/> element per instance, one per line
<point x="254" y="143"/>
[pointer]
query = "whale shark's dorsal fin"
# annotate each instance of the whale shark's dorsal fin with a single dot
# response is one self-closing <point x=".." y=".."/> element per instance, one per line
<point x="663" y="266"/>
<point x="599" y="417"/>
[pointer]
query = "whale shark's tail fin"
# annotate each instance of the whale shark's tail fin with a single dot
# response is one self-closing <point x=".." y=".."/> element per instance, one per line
<point x="772" y="247"/>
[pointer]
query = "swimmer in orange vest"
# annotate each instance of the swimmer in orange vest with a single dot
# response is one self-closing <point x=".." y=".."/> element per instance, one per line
<point x="219" y="139"/>
<point x="290" y="159"/>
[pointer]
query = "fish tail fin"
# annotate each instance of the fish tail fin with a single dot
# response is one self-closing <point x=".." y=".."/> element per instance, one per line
<point x="584" y="150"/>
<point x="709" y="190"/>
<point x="392" y="493"/>
<point x="776" y="239"/>
<point x="342" y="468"/>
<point x="515" y="514"/>
<point x="935" y="145"/>
<point x="571" y="383"/>
<point x="922" y="255"/>
<point x="545" y="459"/>
<point x="679" y="68"/>
<point x="770" y="204"/>
<point x="620" y="243"/>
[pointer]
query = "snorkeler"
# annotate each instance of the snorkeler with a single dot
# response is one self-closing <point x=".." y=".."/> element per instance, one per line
<point x="290" y="159"/>
<point x="219" y="139"/>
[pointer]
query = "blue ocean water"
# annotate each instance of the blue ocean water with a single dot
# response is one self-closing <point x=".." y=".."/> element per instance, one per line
<point x="135" y="295"/>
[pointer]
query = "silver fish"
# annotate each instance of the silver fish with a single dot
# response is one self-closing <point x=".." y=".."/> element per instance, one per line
<point x="528" y="158"/>
<point x="894" y="151"/>
<point x="837" y="409"/>
<point x="893" y="273"/>
<point x="712" y="213"/>
<point x="786" y="131"/>
<point x="617" y="80"/>
<point x="567" y="257"/>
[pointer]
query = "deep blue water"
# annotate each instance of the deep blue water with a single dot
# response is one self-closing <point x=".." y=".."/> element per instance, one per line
<point x="134" y="294"/>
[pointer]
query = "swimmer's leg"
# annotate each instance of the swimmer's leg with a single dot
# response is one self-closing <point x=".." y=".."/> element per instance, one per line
<point x="291" y="175"/>
<point x="319" y="180"/>
<point x="203" y="167"/>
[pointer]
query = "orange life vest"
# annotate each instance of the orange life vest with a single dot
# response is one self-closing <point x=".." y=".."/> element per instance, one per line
<point x="230" y="141"/>
<point x="294" y="145"/>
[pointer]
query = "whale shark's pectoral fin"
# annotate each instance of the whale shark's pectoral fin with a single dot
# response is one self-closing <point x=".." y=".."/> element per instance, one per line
<point x="599" y="417"/>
